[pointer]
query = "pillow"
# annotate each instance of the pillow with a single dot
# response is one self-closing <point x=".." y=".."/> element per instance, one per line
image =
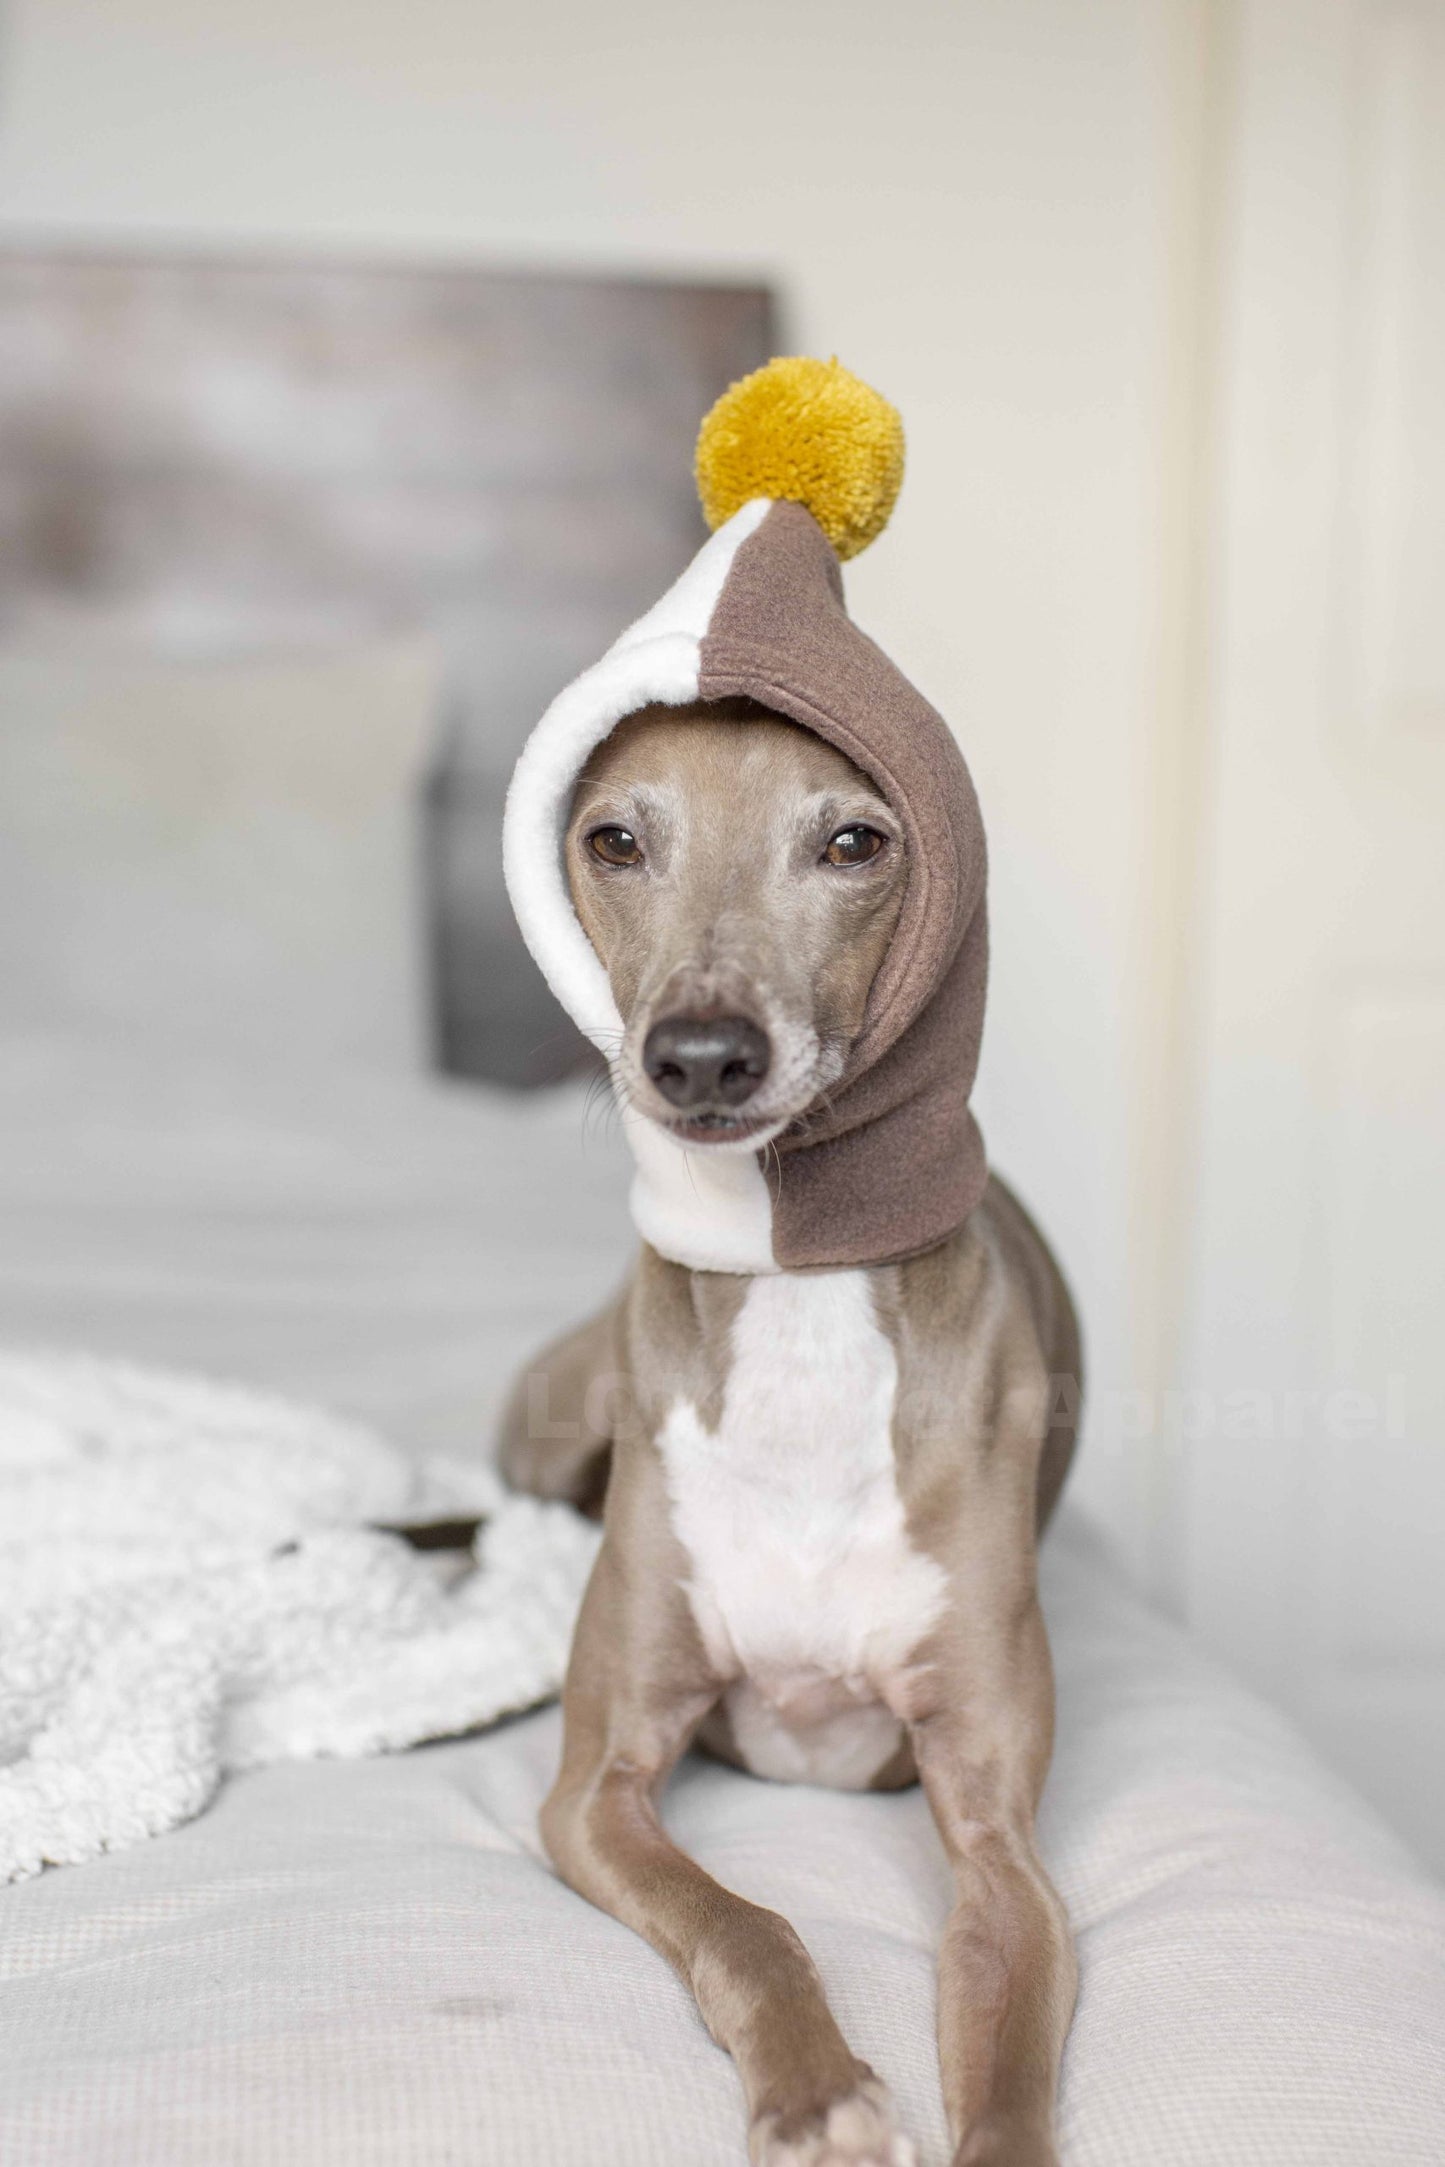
<point x="223" y="857"/>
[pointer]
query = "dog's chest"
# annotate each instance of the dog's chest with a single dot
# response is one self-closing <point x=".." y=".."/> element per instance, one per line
<point x="801" y="1572"/>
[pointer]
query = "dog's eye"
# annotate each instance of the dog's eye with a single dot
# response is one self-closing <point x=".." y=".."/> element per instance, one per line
<point x="854" y="846"/>
<point x="615" y="846"/>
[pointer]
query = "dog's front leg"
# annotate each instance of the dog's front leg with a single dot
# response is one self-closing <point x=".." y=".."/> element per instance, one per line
<point x="1007" y="1974"/>
<point x="637" y="1688"/>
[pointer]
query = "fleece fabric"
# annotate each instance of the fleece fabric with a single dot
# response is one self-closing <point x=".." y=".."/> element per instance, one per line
<point x="195" y="1579"/>
<point x="894" y="1163"/>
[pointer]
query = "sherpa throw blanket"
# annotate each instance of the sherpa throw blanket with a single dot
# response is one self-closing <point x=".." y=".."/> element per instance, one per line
<point x="192" y="1580"/>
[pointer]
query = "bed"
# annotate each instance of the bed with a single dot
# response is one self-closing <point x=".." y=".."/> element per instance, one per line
<point x="370" y="1960"/>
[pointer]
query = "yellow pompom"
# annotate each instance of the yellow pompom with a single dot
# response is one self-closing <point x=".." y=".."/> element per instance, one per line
<point x="810" y="432"/>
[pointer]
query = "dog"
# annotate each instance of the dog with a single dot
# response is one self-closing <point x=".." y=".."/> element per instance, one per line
<point x="823" y="1486"/>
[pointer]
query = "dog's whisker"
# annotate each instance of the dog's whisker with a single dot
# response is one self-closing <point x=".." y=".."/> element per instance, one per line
<point x="599" y="1107"/>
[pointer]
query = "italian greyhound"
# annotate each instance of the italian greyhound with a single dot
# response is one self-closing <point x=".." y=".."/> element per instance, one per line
<point x="824" y="1488"/>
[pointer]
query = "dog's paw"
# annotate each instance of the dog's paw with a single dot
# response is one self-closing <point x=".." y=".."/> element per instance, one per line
<point x="857" y="2130"/>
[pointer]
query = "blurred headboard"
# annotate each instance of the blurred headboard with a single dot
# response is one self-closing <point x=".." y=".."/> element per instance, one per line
<point x="230" y="457"/>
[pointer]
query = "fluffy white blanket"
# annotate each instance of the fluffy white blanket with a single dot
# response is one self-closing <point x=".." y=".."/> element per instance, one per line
<point x="190" y="1582"/>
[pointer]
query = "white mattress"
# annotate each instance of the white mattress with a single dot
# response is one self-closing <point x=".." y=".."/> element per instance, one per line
<point x="370" y="1962"/>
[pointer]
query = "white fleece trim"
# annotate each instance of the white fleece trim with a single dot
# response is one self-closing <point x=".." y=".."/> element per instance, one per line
<point x="690" y="601"/>
<point x="708" y="1209"/>
<point x="540" y="798"/>
<point x="713" y="1214"/>
<point x="655" y="660"/>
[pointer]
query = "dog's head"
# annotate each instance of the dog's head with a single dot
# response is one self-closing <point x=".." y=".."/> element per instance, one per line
<point x="740" y="880"/>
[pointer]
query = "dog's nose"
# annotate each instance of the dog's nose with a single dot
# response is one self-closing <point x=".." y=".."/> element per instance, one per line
<point x="719" y="1060"/>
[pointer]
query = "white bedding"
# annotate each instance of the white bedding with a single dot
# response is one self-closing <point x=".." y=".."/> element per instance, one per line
<point x="387" y="1247"/>
<point x="369" y="1962"/>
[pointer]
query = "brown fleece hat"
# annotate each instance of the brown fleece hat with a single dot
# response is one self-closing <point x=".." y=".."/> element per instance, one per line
<point x="797" y="465"/>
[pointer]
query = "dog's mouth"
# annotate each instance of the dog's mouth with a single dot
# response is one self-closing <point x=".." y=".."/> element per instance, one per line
<point x="799" y="1069"/>
<point x="715" y="1128"/>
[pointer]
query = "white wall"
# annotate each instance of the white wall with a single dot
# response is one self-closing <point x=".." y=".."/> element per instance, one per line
<point x="982" y="205"/>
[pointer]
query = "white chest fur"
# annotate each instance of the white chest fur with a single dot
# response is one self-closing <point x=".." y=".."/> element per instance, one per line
<point x="806" y="1587"/>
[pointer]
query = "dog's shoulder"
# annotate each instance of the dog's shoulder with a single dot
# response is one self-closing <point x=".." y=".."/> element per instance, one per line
<point x="989" y="1355"/>
<point x="991" y="1293"/>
